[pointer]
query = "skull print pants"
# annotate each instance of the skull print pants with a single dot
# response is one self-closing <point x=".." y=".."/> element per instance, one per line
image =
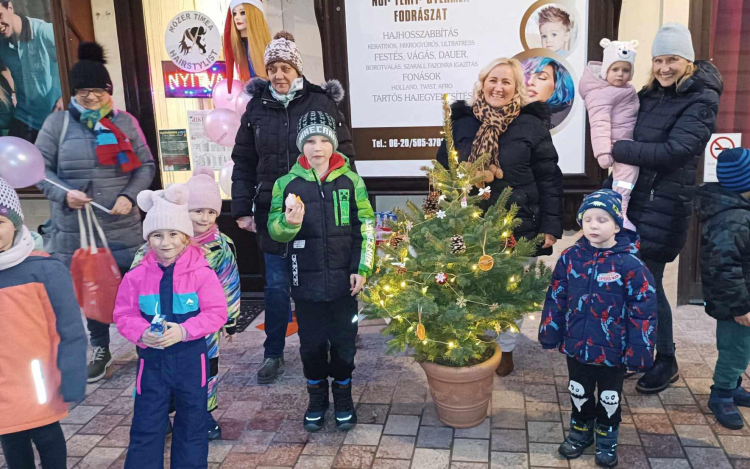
<point x="595" y="392"/>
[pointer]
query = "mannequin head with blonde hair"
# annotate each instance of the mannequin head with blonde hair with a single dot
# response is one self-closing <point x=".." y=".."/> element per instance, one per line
<point x="248" y="22"/>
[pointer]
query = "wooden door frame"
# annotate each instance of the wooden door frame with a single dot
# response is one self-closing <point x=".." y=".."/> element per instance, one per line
<point x="131" y="34"/>
<point x="604" y="18"/>
<point x="689" y="289"/>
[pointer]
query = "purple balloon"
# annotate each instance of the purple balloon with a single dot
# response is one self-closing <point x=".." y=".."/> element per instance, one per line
<point x="21" y="163"/>
<point x="241" y="102"/>
<point x="223" y="99"/>
<point x="221" y="126"/>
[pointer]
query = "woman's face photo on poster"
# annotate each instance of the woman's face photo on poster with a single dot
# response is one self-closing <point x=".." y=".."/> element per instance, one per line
<point x="549" y="80"/>
<point x="551" y="26"/>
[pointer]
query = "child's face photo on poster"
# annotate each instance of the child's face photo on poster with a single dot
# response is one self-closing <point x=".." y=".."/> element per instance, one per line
<point x="552" y="26"/>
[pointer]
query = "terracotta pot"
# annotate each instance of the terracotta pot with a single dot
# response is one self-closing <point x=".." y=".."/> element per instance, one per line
<point x="462" y="394"/>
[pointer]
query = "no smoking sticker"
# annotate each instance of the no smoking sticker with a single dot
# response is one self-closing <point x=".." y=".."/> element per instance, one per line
<point x="720" y="144"/>
<point x="717" y="144"/>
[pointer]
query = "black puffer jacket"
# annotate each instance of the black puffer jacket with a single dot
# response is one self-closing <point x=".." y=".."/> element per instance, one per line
<point x="672" y="130"/>
<point x="337" y="235"/>
<point x="529" y="163"/>
<point x="266" y="147"/>
<point x="725" y="251"/>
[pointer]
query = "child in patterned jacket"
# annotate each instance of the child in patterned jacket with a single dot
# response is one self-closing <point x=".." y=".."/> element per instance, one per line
<point x="218" y="249"/>
<point x="600" y="312"/>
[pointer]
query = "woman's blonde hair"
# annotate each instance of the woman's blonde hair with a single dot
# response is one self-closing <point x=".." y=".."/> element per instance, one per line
<point x="258" y="38"/>
<point x="689" y="72"/>
<point x="518" y="75"/>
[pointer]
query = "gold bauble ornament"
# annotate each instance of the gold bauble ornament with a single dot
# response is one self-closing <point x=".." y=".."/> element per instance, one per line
<point x="421" y="333"/>
<point x="486" y="262"/>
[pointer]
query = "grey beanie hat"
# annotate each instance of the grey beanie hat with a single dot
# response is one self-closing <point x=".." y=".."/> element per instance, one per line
<point x="674" y="39"/>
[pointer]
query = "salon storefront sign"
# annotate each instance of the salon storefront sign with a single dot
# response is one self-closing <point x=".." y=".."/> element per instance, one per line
<point x="193" y="41"/>
<point x="405" y="55"/>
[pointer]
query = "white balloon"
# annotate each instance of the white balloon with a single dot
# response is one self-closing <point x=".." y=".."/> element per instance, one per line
<point x="225" y="177"/>
<point x="241" y="102"/>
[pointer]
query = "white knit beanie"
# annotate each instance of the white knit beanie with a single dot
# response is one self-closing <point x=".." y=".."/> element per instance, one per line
<point x="617" y="51"/>
<point x="283" y="49"/>
<point x="204" y="193"/>
<point x="256" y="3"/>
<point x="10" y="205"/>
<point x="674" y="39"/>
<point x="166" y="210"/>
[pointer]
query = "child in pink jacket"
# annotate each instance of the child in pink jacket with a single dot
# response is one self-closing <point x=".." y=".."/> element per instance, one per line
<point x="612" y="104"/>
<point x="175" y="282"/>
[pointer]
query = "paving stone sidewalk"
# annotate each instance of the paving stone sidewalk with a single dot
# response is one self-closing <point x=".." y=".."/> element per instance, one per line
<point x="398" y="427"/>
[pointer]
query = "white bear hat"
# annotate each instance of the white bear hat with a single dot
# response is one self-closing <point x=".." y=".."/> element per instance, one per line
<point x="166" y="210"/>
<point x="618" y="51"/>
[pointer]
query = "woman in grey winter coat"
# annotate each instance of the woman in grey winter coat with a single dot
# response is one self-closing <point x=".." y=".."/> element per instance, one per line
<point x="99" y="153"/>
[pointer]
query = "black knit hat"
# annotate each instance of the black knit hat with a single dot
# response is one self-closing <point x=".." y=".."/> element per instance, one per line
<point x="316" y="123"/>
<point x="90" y="71"/>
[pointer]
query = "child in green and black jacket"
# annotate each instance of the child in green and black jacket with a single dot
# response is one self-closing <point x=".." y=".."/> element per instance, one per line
<point x="724" y="210"/>
<point x="331" y="252"/>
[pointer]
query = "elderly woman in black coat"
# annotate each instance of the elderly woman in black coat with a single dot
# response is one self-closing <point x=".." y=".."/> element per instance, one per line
<point x="676" y="119"/>
<point x="265" y="150"/>
<point x="501" y="121"/>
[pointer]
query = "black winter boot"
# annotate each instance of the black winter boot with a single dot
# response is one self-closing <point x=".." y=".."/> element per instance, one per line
<point x="660" y="376"/>
<point x="317" y="406"/>
<point x="271" y="369"/>
<point x="346" y="416"/>
<point x="723" y="405"/>
<point x="606" y="446"/>
<point x="581" y="437"/>
<point x="214" y="430"/>
<point x="740" y="396"/>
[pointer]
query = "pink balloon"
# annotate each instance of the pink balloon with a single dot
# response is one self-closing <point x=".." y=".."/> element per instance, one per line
<point x="241" y="102"/>
<point x="221" y="126"/>
<point x="21" y="163"/>
<point x="223" y="99"/>
<point x="225" y="177"/>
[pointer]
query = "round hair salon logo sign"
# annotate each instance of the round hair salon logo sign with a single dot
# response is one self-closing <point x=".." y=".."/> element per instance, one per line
<point x="193" y="41"/>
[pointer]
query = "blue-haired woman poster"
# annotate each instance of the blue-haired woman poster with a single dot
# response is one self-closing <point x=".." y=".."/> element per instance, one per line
<point x="547" y="80"/>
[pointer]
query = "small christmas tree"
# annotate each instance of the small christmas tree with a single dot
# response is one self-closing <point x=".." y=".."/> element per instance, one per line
<point x="454" y="277"/>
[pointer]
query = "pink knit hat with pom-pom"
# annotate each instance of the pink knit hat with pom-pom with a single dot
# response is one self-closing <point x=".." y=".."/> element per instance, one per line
<point x="204" y="193"/>
<point x="166" y="210"/>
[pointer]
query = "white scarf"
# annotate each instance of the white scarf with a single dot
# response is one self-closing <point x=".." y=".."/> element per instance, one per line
<point x="19" y="251"/>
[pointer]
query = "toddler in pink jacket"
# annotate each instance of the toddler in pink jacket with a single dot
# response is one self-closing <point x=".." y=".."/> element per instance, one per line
<point x="167" y="305"/>
<point x="612" y="104"/>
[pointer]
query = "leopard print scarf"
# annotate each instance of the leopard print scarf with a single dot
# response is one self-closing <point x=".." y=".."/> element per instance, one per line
<point x="494" y="123"/>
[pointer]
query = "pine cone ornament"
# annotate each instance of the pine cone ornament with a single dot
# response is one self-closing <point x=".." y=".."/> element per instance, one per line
<point x="396" y="239"/>
<point x="431" y="203"/>
<point x="401" y="270"/>
<point x="458" y="246"/>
